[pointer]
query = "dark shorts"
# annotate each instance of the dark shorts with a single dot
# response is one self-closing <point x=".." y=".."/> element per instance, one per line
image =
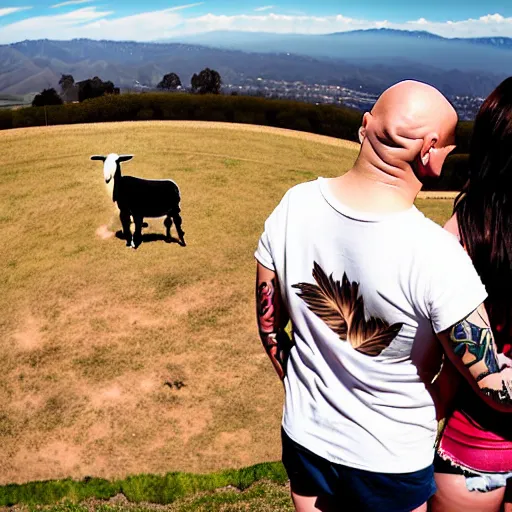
<point x="444" y="466"/>
<point x="355" y="489"/>
<point x="481" y="482"/>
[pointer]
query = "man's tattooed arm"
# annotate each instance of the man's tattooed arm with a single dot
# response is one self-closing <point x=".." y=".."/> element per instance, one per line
<point x="471" y="347"/>
<point x="272" y="319"/>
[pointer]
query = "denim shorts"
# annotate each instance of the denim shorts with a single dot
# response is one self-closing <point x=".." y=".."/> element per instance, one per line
<point x="475" y="481"/>
<point x="355" y="489"/>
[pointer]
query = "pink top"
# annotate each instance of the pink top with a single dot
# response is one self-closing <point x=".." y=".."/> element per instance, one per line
<point x="465" y="442"/>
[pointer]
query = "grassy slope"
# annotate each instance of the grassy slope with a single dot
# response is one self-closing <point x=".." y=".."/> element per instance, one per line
<point x="91" y="331"/>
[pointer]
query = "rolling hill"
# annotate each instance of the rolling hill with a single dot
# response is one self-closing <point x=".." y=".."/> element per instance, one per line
<point x="367" y="60"/>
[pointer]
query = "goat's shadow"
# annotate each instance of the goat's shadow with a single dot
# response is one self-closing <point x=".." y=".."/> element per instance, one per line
<point x="151" y="237"/>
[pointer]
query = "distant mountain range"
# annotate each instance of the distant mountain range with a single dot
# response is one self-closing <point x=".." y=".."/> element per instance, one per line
<point x="373" y="47"/>
<point x="370" y="60"/>
<point x="497" y="42"/>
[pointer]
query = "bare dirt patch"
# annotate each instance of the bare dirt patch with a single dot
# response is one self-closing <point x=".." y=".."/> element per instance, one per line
<point x="29" y="337"/>
<point x="232" y="447"/>
<point x="191" y="298"/>
<point x="111" y="394"/>
<point x="55" y="458"/>
<point x="104" y="233"/>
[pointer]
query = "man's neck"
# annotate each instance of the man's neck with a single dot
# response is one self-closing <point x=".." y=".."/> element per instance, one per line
<point x="374" y="186"/>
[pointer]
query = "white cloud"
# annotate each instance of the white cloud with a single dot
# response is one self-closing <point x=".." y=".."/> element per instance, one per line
<point x="61" y="26"/>
<point x="264" y="8"/>
<point x="11" y="10"/>
<point x="71" y="2"/>
<point x="94" y="23"/>
<point x="498" y="18"/>
<point x="90" y="22"/>
<point x="182" y="7"/>
<point x="491" y="25"/>
<point x="382" y="24"/>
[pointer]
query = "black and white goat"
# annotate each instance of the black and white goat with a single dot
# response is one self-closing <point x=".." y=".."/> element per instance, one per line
<point x="138" y="198"/>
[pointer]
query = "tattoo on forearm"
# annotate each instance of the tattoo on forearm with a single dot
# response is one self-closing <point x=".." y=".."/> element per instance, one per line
<point x="275" y="340"/>
<point x="277" y="346"/>
<point x="267" y="315"/>
<point x="475" y="346"/>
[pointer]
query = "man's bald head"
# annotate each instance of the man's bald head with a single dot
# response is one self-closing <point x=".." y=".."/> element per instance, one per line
<point x="412" y="125"/>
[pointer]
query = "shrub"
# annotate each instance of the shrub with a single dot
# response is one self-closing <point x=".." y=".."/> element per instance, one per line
<point x="47" y="97"/>
<point x="208" y="81"/>
<point x="6" y="119"/>
<point x="170" y="82"/>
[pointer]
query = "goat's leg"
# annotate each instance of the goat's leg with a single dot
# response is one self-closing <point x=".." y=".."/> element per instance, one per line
<point x="137" y="234"/>
<point x="126" y="223"/>
<point x="168" y="226"/>
<point x="177" y="221"/>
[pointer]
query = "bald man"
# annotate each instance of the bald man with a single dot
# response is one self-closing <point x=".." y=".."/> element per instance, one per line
<point x="375" y="292"/>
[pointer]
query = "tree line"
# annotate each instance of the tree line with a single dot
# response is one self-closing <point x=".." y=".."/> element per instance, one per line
<point x="333" y="121"/>
<point x="208" y="81"/>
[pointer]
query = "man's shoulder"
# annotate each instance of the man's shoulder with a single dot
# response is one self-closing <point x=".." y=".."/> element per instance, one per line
<point x="299" y="193"/>
<point x="305" y="188"/>
<point x="429" y="231"/>
<point x="440" y="253"/>
<point x="432" y="245"/>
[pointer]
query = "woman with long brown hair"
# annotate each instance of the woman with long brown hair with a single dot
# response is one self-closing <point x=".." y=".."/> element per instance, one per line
<point x="474" y="458"/>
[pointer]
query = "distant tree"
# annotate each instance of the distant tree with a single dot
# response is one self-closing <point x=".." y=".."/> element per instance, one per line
<point x="207" y="82"/>
<point x="65" y="82"/>
<point x="170" y="82"/>
<point x="47" y="97"/>
<point x="94" y="88"/>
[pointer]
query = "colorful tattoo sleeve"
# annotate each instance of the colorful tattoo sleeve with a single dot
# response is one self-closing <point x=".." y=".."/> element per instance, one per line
<point x="271" y="319"/>
<point x="474" y="345"/>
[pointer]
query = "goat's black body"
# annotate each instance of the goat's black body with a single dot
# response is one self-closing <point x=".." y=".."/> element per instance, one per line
<point x="147" y="198"/>
<point x="138" y="198"/>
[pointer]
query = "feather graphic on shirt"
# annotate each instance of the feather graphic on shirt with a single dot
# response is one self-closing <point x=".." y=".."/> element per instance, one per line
<point x="342" y="309"/>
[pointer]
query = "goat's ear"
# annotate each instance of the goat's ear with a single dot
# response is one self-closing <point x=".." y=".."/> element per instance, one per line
<point x="124" y="158"/>
<point x="98" y="157"/>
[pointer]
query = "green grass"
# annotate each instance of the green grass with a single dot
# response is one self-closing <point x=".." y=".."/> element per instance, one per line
<point x="263" y="496"/>
<point x="439" y="210"/>
<point x="160" y="489"/>
<point x="92" y="333"/>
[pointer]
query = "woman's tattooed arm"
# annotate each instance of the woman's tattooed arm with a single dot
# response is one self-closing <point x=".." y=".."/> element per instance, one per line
<point x="272" y="318"/>
<point x="471" y="347"/>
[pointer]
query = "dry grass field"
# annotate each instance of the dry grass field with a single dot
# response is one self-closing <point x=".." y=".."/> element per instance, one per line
<point x="117" y="361"/>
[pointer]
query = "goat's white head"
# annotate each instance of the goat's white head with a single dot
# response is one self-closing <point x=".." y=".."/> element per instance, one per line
<point x="110" y="163"/>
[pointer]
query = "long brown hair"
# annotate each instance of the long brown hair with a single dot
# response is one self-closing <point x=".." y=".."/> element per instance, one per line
<point x="484" y="206"/>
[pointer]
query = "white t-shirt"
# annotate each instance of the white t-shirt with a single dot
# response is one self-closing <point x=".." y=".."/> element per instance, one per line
<point x="367" y="410"/>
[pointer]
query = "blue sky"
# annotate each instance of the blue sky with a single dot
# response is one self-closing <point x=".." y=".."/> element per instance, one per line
<point x="159" y="19"/>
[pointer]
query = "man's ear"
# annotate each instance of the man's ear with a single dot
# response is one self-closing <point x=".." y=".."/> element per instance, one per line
<point x="431" y="159"/>
<point x="428" y="145"/>
<point x="362" y="130"/>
